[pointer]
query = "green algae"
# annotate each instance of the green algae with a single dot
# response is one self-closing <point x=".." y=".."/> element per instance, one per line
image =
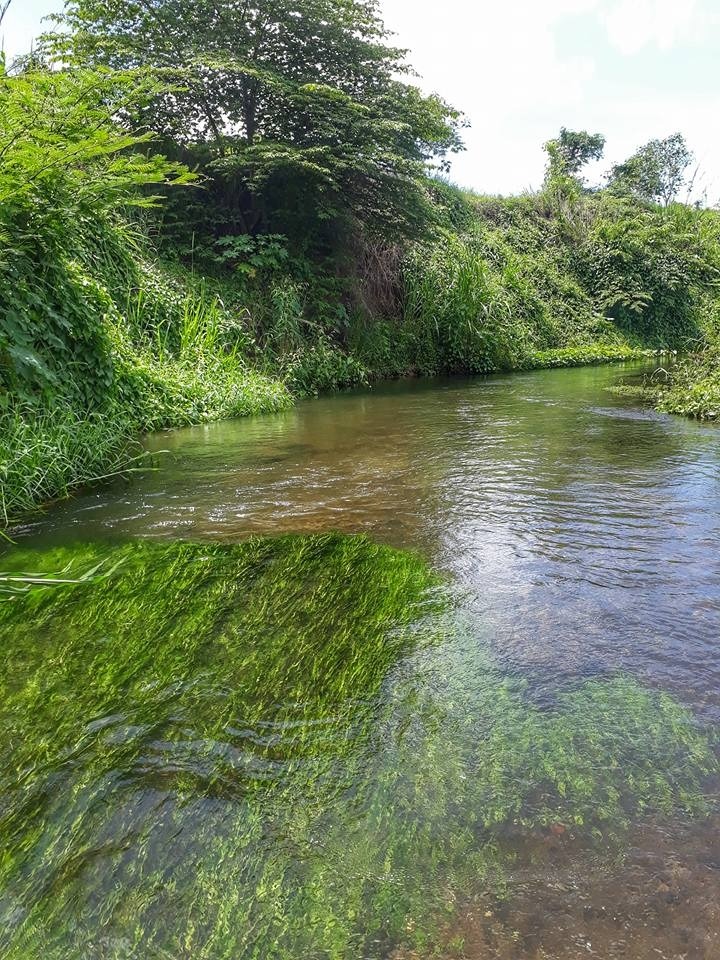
<point x="290" y="748"/>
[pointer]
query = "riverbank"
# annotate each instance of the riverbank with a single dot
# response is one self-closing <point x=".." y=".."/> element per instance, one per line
<point x="146" y="344"/>
<point x="693" y="390"/>
<point x="112" y="347"/>
<point x="118" y="321"/>
<point x="46" y="456"/>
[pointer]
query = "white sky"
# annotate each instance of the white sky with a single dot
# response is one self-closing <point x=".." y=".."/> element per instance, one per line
<point x="521" y="69"/>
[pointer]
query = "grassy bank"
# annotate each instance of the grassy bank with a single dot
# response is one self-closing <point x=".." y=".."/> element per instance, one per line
<point x="170" y="359"/>
<point x="181" y="357"/>
<point x="46" y="452"/>
<point x="693" y="388"/>
<point x="134" y="295"/>
<point x="146" y="343"/>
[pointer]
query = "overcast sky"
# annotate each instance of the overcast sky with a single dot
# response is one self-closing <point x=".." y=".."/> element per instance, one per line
<point x="521" y="69"/>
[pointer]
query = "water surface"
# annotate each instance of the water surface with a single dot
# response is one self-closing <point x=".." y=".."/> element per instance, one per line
<point x="575" y="535"/>
<point x="584" y="528"/>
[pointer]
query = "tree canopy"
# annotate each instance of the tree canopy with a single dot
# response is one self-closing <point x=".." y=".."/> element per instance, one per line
<point x="578" y="147"/>
<point x="656" y="172"/>
<point x="294" y="110"/>
<point x="571" y="150"/>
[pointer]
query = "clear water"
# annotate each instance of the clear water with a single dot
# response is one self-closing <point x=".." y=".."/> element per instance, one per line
<point x="576" y="537"/>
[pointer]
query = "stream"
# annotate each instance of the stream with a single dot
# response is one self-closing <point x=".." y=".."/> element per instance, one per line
<point x="429" y="669"/>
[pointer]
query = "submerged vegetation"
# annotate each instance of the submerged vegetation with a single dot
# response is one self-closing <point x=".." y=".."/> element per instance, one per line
<point x="296" y="745"/>
<point x="207" y="210"/>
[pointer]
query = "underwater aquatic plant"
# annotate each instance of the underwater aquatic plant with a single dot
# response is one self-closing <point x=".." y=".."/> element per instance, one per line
<point x="287" y="748"/>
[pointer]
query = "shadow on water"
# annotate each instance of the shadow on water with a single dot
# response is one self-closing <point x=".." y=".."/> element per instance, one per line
<point x="493" y="737"/>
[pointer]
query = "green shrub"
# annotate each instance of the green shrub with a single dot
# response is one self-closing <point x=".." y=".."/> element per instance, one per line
<point x="170" y="354"/>
<point x="693" y="388"/>
<point x="484" y="302"/>
<point x="320" y="366"/>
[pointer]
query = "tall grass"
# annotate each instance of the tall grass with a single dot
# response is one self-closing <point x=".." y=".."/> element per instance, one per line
<point x="510" y="283"/>
<point x="183" y="360"/>
<point x="476" y="304"/>
<point x="176" y="360"/>
<point x="45" y="453"/>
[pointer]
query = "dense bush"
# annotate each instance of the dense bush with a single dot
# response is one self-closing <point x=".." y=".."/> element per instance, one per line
<point x="644" y="267"/>
<point x="693" y="387"/>
<point x="95" y="344"/>
<point x="505" y="282"/>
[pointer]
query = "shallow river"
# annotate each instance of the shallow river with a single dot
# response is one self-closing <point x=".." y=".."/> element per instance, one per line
<point x="486" y="729"/>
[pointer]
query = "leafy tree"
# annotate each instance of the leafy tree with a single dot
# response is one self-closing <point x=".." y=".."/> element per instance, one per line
<point x="656" y="172"/>
<point x="563" y="187"/>
<point x="62" y="139"/>
<point x="293" y="110"/>
<point x="573" y="149"/>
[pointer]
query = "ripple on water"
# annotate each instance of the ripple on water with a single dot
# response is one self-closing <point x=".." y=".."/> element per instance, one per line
<point x="328" y="775"/>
